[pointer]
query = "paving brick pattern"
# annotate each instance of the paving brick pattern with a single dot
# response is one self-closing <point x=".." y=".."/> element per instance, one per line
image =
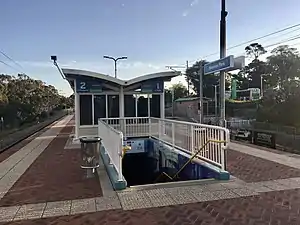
<point x="253" y="169"/>
<point x="280" y="207"/>
<point x="54" y="176"/>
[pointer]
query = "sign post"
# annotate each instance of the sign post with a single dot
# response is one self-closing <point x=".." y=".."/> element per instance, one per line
<point x="225" y="64"/>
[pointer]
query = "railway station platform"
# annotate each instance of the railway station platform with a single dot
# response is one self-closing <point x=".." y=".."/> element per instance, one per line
<point x="42" y="183"/>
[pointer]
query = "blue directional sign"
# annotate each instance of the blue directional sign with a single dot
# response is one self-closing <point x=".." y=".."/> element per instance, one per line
<point x="219" y="65"/>
<point x="86" y="86"/>
<point x="152" y="87"/>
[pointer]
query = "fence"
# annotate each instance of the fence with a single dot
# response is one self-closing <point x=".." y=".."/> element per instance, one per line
<point x="239" y="124"/>
<point x="186" y="136"/>
<point x="112" y="140"/>
<point x="287" y="137"/>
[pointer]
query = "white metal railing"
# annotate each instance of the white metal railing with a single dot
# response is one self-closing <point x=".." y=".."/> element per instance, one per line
<point x="190" y="137"/>
<point x="239" y="124"/>
<point x="130" y="126"/>
<point x="112" y="140"/>
<point x="186" y="136"/>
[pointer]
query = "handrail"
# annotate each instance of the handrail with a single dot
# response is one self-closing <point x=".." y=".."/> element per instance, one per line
<point x="190" y="123"/>
<point x="190" y="160"/>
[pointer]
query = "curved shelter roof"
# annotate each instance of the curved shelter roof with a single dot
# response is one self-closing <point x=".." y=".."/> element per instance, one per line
<point x="71" y="74"/>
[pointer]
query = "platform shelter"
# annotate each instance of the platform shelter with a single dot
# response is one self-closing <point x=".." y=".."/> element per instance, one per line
<point x="103" y="96"/>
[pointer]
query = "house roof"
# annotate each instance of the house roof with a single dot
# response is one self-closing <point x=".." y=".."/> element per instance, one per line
<point x="191" y="99"/>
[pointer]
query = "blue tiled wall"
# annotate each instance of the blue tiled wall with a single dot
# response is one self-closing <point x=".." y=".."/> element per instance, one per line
<point x="166" y="157"/>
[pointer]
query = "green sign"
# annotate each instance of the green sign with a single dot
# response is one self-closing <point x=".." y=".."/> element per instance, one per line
<point x="233" y="88"/>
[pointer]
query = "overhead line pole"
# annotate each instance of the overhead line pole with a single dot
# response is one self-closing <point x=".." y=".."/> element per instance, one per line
<point x="188" y="78"/>
<point x="222" y="55"/>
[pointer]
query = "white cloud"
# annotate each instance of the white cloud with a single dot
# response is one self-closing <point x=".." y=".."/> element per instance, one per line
<point x="187" y="11"/>
<point x="193" y="3"/>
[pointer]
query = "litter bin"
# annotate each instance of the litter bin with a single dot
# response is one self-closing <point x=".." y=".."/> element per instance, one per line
<point x="90" y="147"/>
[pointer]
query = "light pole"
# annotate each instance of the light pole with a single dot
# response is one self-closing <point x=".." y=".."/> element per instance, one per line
<point x="216" y="100"/>
<point x="222" y="55"/>
<point x="201" y="91"/>
<point x="115" y="61"/>
<point x="200" y="74"/>
<point x="261" y="86"/>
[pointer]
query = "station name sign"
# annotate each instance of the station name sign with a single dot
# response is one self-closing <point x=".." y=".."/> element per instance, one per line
<point x="219" y="65"/>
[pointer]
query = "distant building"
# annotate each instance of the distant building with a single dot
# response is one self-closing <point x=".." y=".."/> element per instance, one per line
<point x="190" y="107"/>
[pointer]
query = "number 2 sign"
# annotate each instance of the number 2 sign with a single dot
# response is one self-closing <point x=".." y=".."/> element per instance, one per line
<point x="81" y="86"/>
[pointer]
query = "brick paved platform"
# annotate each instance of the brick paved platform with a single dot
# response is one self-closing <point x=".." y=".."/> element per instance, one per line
<point x="54" y="176"/>
<point x="50" y="190"/>
<point x="278" y="207"/>
<point x="253" y="169"/>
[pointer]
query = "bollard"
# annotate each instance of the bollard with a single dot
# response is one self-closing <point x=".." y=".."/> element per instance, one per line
<point x="90" y="147"/>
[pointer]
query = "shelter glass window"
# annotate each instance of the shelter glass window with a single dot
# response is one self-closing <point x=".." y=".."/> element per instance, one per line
<point x="113" y="106"/>
<point x="155" y="106"/>
<point x="99" y="107"/>
<point x="142" y="110"/>
<point x="129" y="106"/>
<point x="85" y="104"/>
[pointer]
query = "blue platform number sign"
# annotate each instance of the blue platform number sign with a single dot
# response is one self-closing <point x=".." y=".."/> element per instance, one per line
<point x="88" y="86"/>
<point x="152" y="87"/>
<point x="81" y="86"/>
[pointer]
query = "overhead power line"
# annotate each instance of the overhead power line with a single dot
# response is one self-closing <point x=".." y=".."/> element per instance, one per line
<point x="12" y="60"/>
<point x="252" y="40"/>
<point x="296" y="37"/>
<point x="9" y="66"/>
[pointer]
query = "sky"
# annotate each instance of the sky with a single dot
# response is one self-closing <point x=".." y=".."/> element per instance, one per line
<point x="151" y="33"/>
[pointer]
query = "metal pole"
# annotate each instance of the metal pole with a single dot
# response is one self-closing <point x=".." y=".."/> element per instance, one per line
<point x="222" y="55"/>
<point x="172" y="91"/>
<point x="201" y="92"/>
<point x="216" y="101"/>
<point x="115" y="60"/>
<point x="188" y="79"/>
<point x="261" y="86"/>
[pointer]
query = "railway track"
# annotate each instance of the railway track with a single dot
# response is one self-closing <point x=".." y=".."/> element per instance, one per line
<point x="14" y="138"/>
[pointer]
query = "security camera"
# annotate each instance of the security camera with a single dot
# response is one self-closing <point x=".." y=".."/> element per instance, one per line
<point x="54" y="58"/>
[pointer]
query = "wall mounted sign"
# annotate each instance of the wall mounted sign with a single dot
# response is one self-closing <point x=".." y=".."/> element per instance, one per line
<point x="152" y="87"/>
<point x="264" y="138"/>
<point x="86" y="86"/>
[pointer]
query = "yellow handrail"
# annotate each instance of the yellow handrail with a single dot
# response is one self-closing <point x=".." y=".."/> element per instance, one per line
<point x="193" y="156"/>
<point x="125" y="149"/>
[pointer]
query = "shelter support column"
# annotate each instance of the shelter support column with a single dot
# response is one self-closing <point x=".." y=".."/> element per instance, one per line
<point x="121" y="102"/>
<point x="162" y="105"/>
<point x="77" y="115"/>
<point x="121" y="111"/>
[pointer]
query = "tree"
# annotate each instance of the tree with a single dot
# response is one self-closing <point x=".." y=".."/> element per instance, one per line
<point x="179" y="90"/>
<point x="282" y="76"/>
<point x="24" y="99"/>
<point x="255" y="50"/>
<point x="254" y="71"/>
<point x="283" y="65"/>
